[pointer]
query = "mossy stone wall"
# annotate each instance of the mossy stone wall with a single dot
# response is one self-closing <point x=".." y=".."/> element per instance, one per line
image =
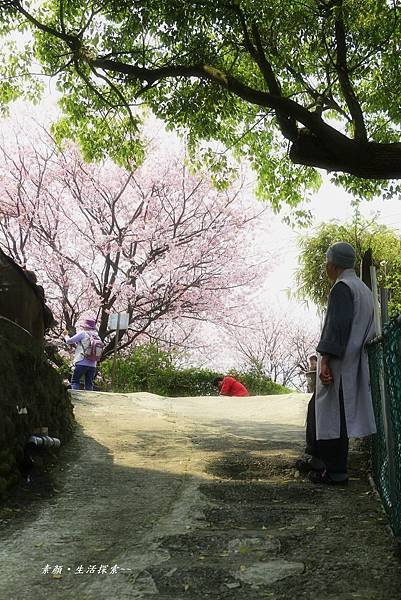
<point x="28" y="381"/>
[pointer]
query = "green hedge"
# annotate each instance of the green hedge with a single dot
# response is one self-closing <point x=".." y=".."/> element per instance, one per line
<point x="148" y="369"/>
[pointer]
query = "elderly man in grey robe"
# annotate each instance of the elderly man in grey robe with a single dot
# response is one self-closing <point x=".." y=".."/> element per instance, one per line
<point x="341" y="407"/>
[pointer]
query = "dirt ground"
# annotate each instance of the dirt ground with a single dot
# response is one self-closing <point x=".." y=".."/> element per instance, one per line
<point x="192" y="498"/>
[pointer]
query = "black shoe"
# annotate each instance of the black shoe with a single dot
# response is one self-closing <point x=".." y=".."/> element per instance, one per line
<point x="309" y="465"/>
<point x="324" y="478"/>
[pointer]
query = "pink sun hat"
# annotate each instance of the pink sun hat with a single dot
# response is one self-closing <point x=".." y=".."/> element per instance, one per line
<point x="89" y="323"/>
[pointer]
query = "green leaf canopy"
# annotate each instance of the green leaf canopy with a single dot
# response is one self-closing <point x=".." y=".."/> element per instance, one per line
<point x="292" y="85"/>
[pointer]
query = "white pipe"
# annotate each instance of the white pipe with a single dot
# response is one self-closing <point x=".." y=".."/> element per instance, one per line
<point x="16" y="324"/>
<point x="44" y="441"/>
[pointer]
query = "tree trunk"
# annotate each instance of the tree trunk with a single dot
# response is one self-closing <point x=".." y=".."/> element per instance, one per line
<point x="368" y="160"/>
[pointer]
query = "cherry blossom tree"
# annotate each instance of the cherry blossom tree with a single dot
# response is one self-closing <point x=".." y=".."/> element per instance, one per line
<point x="276" y="346"/>
<point x="157" y="242"/>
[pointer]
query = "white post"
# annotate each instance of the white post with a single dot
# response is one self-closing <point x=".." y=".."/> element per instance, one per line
<point x="384" y="294"/>
<point x="113" y="369"/>
<point x="375" y="292"/>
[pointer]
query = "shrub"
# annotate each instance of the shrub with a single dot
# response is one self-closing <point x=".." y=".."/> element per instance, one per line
<point x="149" y="369"/>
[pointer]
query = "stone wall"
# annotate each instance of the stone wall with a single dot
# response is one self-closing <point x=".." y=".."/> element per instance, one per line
<point x="29" y="384"/>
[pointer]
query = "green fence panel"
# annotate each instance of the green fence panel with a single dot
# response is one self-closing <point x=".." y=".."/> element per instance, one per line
<point x="385" y="376"/>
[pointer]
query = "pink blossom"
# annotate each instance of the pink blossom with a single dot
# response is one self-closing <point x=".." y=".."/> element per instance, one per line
<point x="158" y="242"/>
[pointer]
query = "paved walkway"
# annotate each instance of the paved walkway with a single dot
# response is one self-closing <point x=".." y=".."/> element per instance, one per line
<point x="193" y="498"/>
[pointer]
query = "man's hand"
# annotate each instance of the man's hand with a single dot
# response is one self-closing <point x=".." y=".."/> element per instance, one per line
<point x="326" y="376"/>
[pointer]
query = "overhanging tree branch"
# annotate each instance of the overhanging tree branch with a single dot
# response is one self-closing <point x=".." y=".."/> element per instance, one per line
<point x="72" y="40"/>
<point x="316" y="143"/>
<point x="343" y="77"/>
<point x="286" y="122"/>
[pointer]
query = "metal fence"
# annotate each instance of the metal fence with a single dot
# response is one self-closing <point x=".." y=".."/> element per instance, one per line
<point x="385" y="375"/>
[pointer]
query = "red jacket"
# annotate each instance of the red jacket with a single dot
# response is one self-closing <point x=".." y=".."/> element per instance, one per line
<point x="232" y="387"/>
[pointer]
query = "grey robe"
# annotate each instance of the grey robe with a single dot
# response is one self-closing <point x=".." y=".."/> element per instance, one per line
<point x="352" y="370"/>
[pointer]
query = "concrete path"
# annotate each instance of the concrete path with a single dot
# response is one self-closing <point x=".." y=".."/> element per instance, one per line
<point x="190" y="498"/>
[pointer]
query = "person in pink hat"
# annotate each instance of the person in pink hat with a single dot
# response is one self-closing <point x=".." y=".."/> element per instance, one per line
<point x="86" y="356"/>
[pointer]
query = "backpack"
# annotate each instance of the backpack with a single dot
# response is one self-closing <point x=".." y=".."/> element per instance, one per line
<point x="92" y="347"/>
